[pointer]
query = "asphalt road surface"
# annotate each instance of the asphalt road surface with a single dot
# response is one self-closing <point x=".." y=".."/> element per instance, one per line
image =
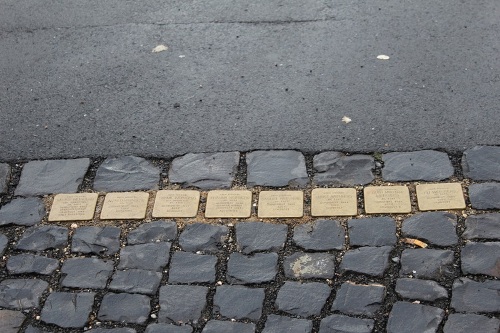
<point x="79" y="78"/>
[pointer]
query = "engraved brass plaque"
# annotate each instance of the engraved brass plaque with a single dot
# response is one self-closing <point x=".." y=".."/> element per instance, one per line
<point x="176" y="203"/>
<point x="334" y="202"/>
<point x="387" y="199"/>
<point x="73" y="207"/>
<point x="125" y="206"/>
<point x="281" y="204"/>
<point x="229" y="204"/>
<point x="440" y="196"/>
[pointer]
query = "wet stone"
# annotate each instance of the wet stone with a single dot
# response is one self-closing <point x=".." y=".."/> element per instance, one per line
<point x="482" y="163"/>
<point x="203" y="237"/>
<point x="21" y="293"/>
<point x="466" y="323"/>
<point x="22" y="211"/>
<point x="42" y="238"/>
<point x="438" y="228"/>
<point x="206" y="170"/>
<point x="485" y="226"/>
<point x="481" y="258"/>
<point x="423" y="290"/>
<point x="260" y="236"/>
<point x="280" y="324"/>
<point x="136" y="281"/>
<point x="320" y="235"/>
<point x="127" y="308"/>
<point x="11" y="321"/>
<point x="168" y="328"/>
<point x="112" y="330"/>
<point x="4" y="242"/>
<point x="238" y="302"/>
<point x="259" y="268"/>
<point x="217" y="326"/>
<point x="472" y="296"/>
<point x="276" y="168"/>
<point x="301" y="265"/>
<point x="29" y="263"/>
<point x="96" y="240"/>
<point x="367" y="260"/>
<point x="410" y="318"/>
<point x="426" y="165"/>
<point x="189" y="267"/>
<point x="52" y="176"/>
<point x="4" y="177"/>
<point x="356" y="299"/>
<point x="182" y="304"/>
<point x="151" y="257"/>
<point x="427" y="263"/>
<point x="372" y="231"/>
<point x="67" y="309"/>
<point x="336" y="168"/>
<point x="127" y="173"/>
<point x="344" y="324"/>
<point x="159" y="231"/>
<point x="86" y="273"/>
<point x="302" y="299"/>
<point x="485" y="195"/>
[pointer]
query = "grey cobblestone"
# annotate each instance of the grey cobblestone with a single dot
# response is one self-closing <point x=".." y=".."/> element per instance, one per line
<point x="320" y="235"/>
<point x="356" y="299"/>
<point x="136" y="281"/>
<point x="337" y="168"/>
<point x="67" y="310"/>
<point x="471" y="296"/>
<point x="367" y="260"/>
<point x="203" y="237"/>
<point x="481" y="258"/>
<point x="344" y="324"/>
<point x="260" y="236"/>
<point x="485" y="195"/>
<point x="29" y="263"/>
<point x="113" y="330"/>
<point x="465" y="323"/>
<point x="192" y="268"/>
<point x="4" y="177"/>
<point x="410" y="318"/>
<point x="159" y="231"/>
<point x="258" y="268"/>
<point x="276" y="168"/>
<point x="21" y="293"/>
<point x="4" y="242"/>
<point x="86" y="273"/>
<point x="438" y="228"/>
<point x="43" y="237"/>
<point x="182" y="304"/>
<point x="216" y="326"/>
<point x="424" y="290"/>
<point x="11" y="321"/>
<point x="301" y="265"/>
<point x="151" y="257"/>
<point x="373" y="231"/>
<point x="426" y="263"/>
<point x="22" y="211"/>
<point x="127" y="308"/>
<point x="96" y="240"/>
<point x="280" y="324"/>
<point x="482" y="163"/>
<point x="302" y="299"/>
<point x="238" y="302"/>
<point x="486" y="226"/>
<point x="429" y="165"/>
<point x="168" y="328"/>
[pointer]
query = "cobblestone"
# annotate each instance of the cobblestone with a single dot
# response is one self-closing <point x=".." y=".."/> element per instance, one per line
<point x="159" y="231"/>
<point x="481" y="258"/>
<point x="485" y="195"/>
<point x="238" y="302"/>
<point x="29" y="263"/>
<point x="216" y="326"/>
<point x="345" y="324"/>
<point x="438" y="228"/>
<point x="276" y="168"/>
<point x="427" y="263"/>
<point x="258" y="268"/>
<point x="485" y="226"/>
<point x="136" y="281"/>
<point x="182" y="304"/>
<point x="471" y="296"/>
<point x="203" y="237"/>
<point x="426" y="165"/>
<point x="150" y="257"/>
<point x="11" y="321"/>
<point x="96" y="240"/>
<point x="338" y="169"/>
<point x="302" y="299"/>
<point x="410" y="318"/>
<point x="301" y="265"/>
<point x="280" y="324"/>
<point x="356" y="299"/>
<point x="86" y="273"/>
<point x="367" y="260"/>
<point x="113" y="330"/>
<point x="464" y="323"/>
<point x="259" y="236"/>
<point x="67" y="309"/>
<point x="374" y="231"/>
<point x="192" y="268"/>
<point x="22" y="211"/>
<point x="4" y="177"/>
<point x="424" y="290"/>
<point x="21" y="293"/>
<point x="43" y="237"/>
<point x="482" y="163"/>
<point x="4" y="242"/>
<point x="320" y="235"/>
<point x="167" y="328"/>
<point x="127" y="308"/>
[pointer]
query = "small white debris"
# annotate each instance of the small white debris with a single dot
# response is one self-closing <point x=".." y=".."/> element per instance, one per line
<point x="346" y="119"/>
<point x="219" y="283"/>
<point x="182" y="56"/>
<point x="383" y="57"/>
<point x="160" y="48"/>
<point x="153" y="316"/>
<point x="74" y="225"/>
<point x="414" y="272"/>
<point x="37" y="317"/>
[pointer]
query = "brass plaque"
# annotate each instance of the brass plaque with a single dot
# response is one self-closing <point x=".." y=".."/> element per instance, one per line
<point x="173" y="203"/>
<point x="73" y="207"/>
<point x="387" y="199"/>
<point x="281" y="204"/>
<point x="334" y="202"/>
<point x="125" y="206"/>
<point x="440" y="196"/>
<point x="229" y="204"/>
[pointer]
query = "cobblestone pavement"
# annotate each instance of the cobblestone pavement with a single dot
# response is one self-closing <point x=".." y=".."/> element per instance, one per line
<point x="434" y="271"/>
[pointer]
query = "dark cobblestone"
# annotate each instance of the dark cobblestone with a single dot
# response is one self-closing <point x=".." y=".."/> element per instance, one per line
<point x="258" y="268"/>
<point x="11" y="321"/>
<point x="424" y="290"/>
<point x="472" y="296"/>
<point x="426" y="165"/>
<point x="301" y="265"/>
<point x="150" y="257"/>
<point x="159" y="231"/>
<point x="43" y="237"/>
<point x="33" y="329"/>
<point x="136" y="281"/>
<point x="281" y="324"/>
<point x="182" y="304"/>
<point x="260" y="236"/>
<point x="4" y="177"/>
<point x="302" y="299"/>
<point x="192" y="268"/>
<point x="410" y="318"/>
<point x="127" y="308"/>
<point x="338" y="169"/>
<point x="372" y="231"/>
<point x="205" y="171"/>
<point x="67" y="309"/>
<point x="167" y="328"/>
<point x="29" y="263"/>
<point x="112" y="330"/>
<point x="22" y="211"/>
<point x="238" y="302"/>
<point x="21" y="293"/>
<point x="216" y="326"/>
<point x="127" y="173"/>
<point x="356" y="299"/>
<point x="52" y="176"/>
<point x="320" y="235"/>
<point x="276" y="168"/>
<point x="203" y="237"/>
<point x="344" y="324"/>
<point x="482" y="163"/>
<point x="486" y="226"/>
<point x="485" y="195"/>
<point x="367" y="260"/>
<point x="96" y="240"/>
<point x="427" y="263"/>
<point x="86" y="273"/>
<point x="438" y="228"/>
<point x="466" y="323"/>
<point x="481" y="258"/>
<point x="4" y="242"/>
